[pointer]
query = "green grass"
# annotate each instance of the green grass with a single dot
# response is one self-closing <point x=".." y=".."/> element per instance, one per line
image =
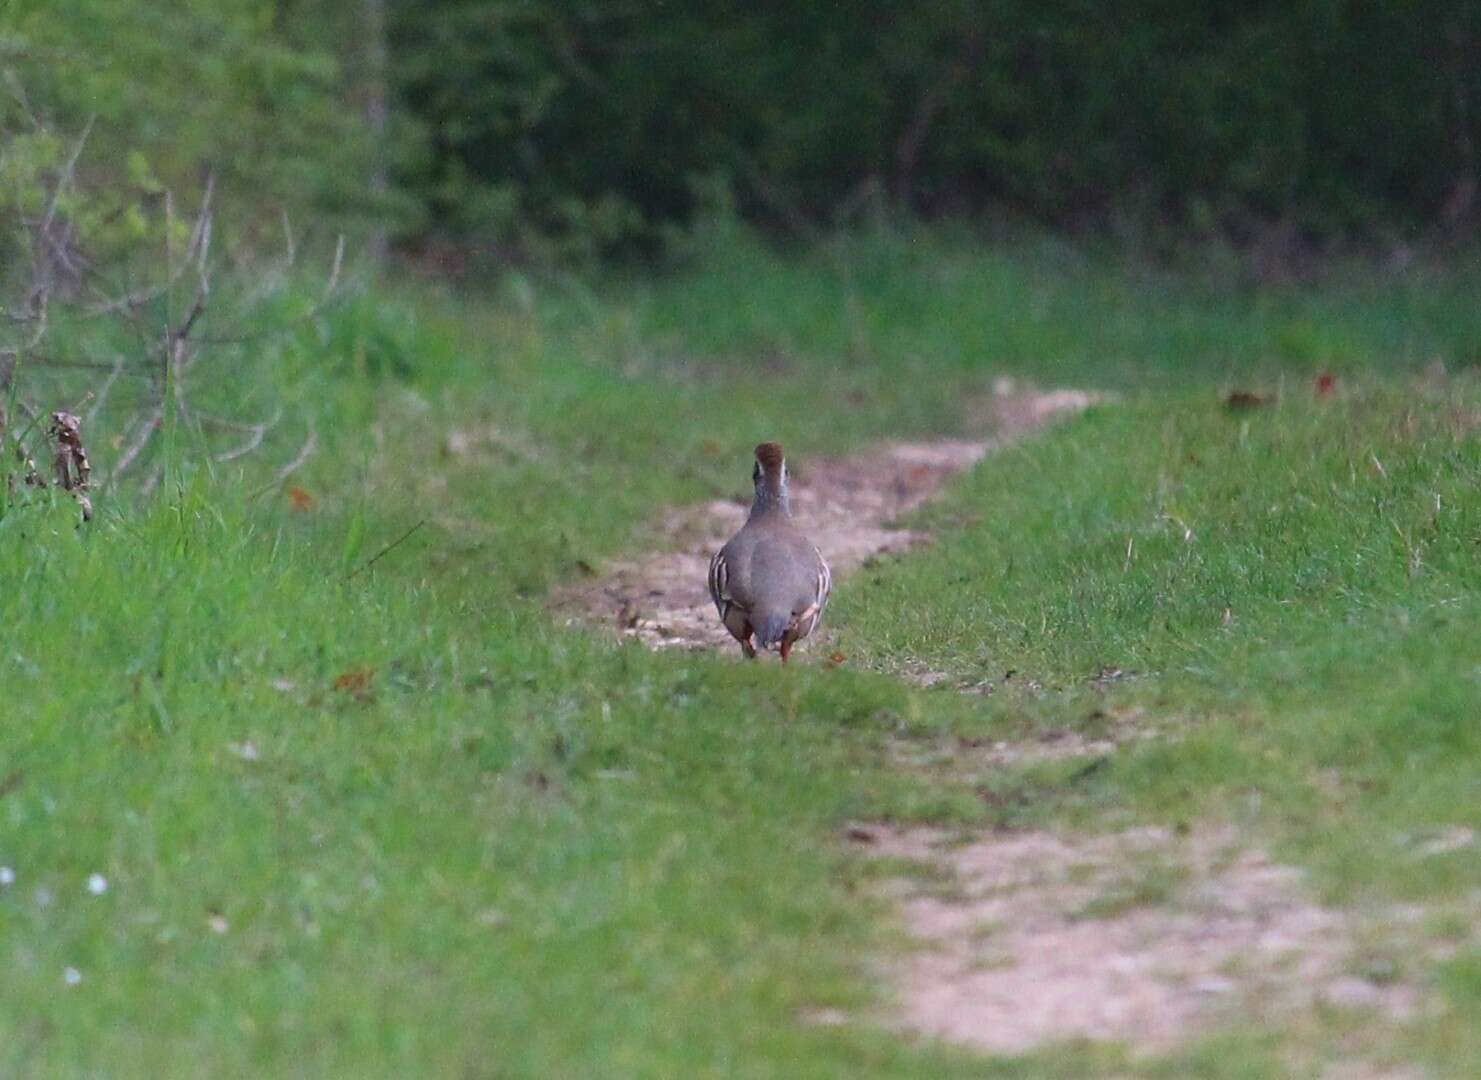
<point x="500" y="843"/>
<point x="1293" y="596"/>
<point x="468" y="840"/>
<point x="941" y="307"/>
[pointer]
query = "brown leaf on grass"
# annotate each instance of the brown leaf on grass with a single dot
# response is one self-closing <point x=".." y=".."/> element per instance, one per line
<point x="355" y="681"/>
<point x="1326" y="384"/>
<point x="300" y="499"/>
<point x="1243" y="400"/>
<point x="836" y="658"/>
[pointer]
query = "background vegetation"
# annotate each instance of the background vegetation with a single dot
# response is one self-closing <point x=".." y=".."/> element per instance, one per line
<point x="567" y="127"/>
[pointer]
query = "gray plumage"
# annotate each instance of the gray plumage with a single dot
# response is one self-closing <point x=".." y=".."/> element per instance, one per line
<point x="770" y="583"/>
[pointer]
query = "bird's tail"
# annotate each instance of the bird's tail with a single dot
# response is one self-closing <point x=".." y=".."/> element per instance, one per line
<point x="770" y="630"/>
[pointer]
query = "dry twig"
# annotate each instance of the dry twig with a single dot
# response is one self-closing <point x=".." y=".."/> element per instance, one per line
<point x="305" y="452"/>
<point x="63" y="276"/>
<point x="72" y="468"/>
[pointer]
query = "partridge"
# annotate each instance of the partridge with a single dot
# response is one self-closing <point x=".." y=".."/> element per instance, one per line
<point x="770" y="583"/>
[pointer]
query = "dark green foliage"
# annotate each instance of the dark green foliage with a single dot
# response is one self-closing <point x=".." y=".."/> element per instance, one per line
<point x="563" y="126"/>
<point x="250" y="91"/>
<point x="1324" y="117"/>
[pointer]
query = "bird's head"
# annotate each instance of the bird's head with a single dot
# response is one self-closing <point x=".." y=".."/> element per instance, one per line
<point x="770" y="476"/>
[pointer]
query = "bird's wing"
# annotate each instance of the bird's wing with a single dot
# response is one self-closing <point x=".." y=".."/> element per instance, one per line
<point x="719" y="583"/>
<point x="822" y="587"/>
<point x="824" y="582"/>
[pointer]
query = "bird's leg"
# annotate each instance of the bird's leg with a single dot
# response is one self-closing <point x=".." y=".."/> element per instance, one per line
<point x="748" y="649"/>
<point x="786" y="648"/>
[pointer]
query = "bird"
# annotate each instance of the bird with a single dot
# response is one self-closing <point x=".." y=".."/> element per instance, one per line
<point x="770" y="583"/>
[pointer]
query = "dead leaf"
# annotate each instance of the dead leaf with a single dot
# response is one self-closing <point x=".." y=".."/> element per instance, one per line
<point x="1326" y="384"/>
<point x="301" y="499"/>
<point x="355" y="681"/>
<point x="837" y="658"/>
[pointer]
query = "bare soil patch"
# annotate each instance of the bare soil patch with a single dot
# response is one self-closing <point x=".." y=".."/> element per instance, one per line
<point x="963" y="760"/>
<point x="848" y="505"/>
<point x="1144" y="937"/>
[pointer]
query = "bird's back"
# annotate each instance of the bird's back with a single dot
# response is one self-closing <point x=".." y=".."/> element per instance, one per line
<point x="772" y="568"/>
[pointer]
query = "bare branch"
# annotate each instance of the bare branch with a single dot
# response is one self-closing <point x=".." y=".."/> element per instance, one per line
<point x="222" y="423"/>
<point x="38" y="313"/>
<point x="102" y="394"/>
<point x="309" y="446"/>
<point x="167" y="315"/>
<point x="196" y="310"/>
<point x="339" y="259"/>
<point x="392" y="546"/>
<point x="18" y="92"/>
<point x="67" y="175"/>
<point x="327" y="299"/>
<point x="196" y="254"/>
<point x="199" y="233"/>
<point x="254" y="440"/>
<point x="127" y="302"/>
<point x="141" y="440"/>
<point x="33" y="360"/>
<point x="255" y="432"/>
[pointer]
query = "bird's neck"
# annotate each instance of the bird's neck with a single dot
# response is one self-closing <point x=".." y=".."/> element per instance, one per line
<point x="771" y="502"/>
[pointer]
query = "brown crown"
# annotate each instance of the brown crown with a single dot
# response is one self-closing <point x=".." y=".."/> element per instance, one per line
<point x="770" y="456"/>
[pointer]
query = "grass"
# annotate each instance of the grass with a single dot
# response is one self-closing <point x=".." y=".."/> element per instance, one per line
<point x="1292" y="595"/>
<point x="378" y="818"/>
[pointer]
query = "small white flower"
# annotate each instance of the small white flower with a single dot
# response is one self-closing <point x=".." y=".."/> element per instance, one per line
<point x="97" y="884"/>
<point x="218" y="924"/>
<point x="71" y="976"/>
<point x="7" y="876"/>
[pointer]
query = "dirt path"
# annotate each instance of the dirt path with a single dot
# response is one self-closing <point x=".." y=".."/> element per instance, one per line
<point x="1143" y="937"/>
<point x="849" y="506"/>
